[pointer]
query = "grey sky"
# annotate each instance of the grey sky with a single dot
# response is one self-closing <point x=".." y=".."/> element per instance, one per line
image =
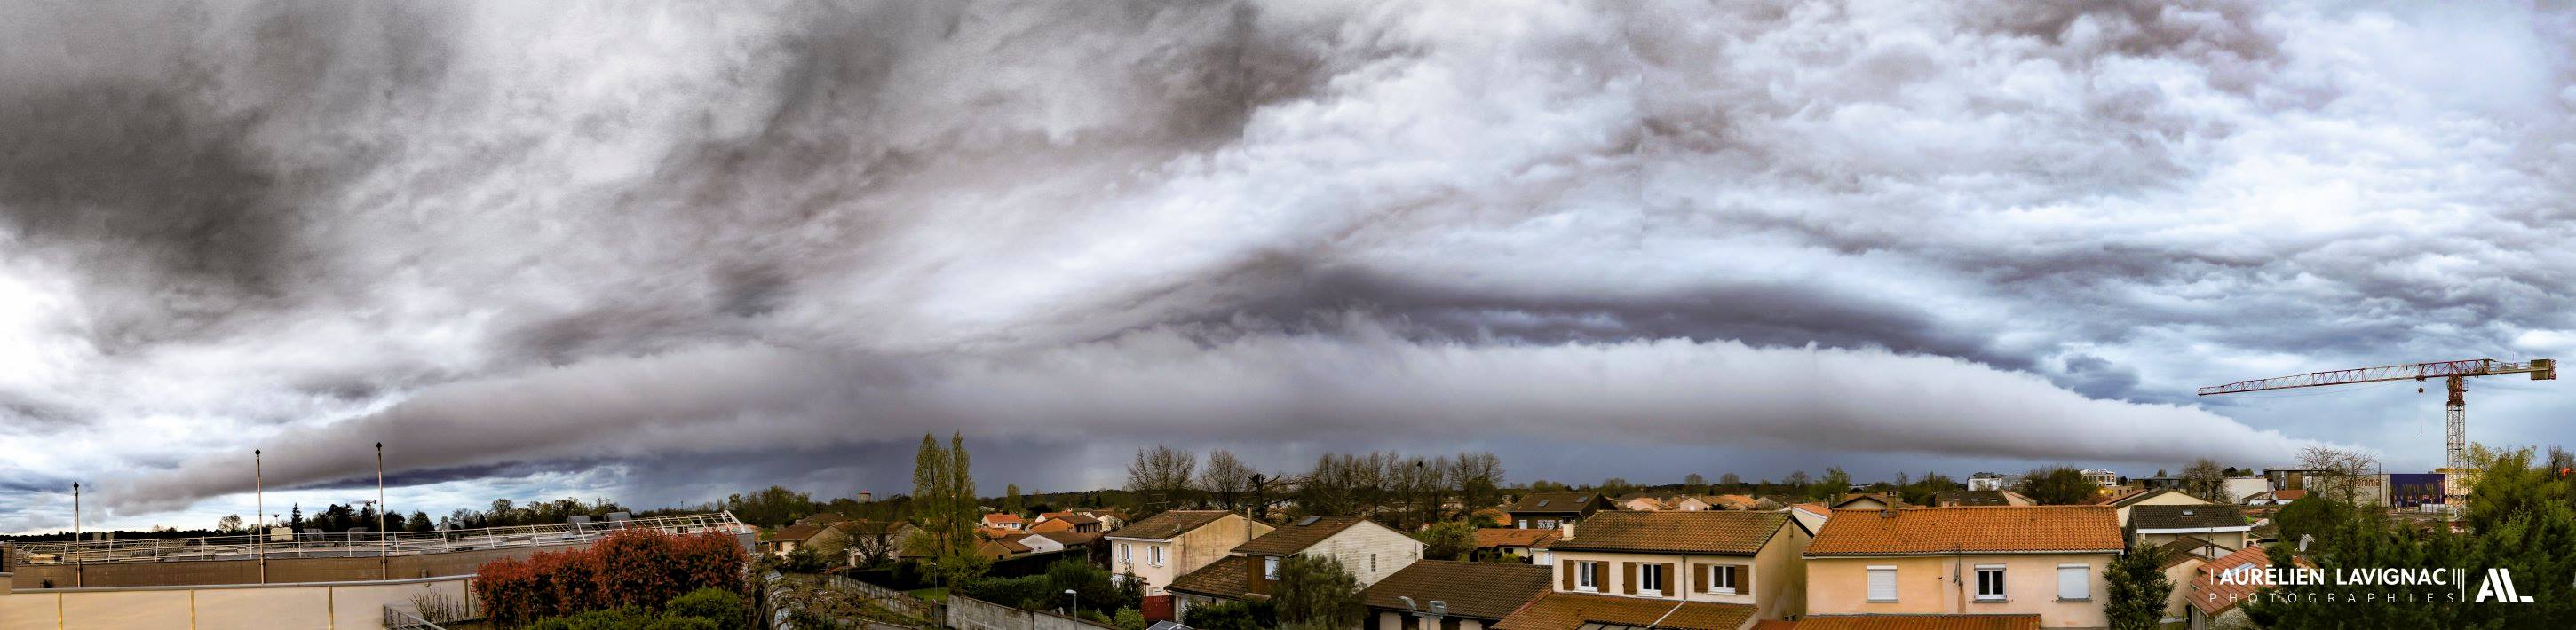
<point x="664" y="252"/>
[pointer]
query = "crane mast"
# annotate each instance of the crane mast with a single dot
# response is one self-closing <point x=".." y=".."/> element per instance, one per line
<point x="2455" y="409"/>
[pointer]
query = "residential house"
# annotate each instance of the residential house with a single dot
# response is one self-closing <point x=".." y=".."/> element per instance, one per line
<point x="1729" y="501"/>
<point x="1370" y="551"/>
<point x="1811" y="515"/>
<point x="998" y="520"/>
<point x="2104" y="478"/>
<point x="1906" y="622"/>
<point x="1452" y="595"/>
<point x="1642" y="503"/>
<point x="2183" y="559"/>
<point x="1545" y="510"/>
<point x="2235" y="489"/>
<point x="2214" y="522"/>
<point x="2275" y="497"/>
<point x="2125" y="502"/>
<point x="1709" y="569"/>
<point x="1530" y="545"/>
<point x="1056" y="540"/>
<point x="1066" y="521"/>
<point x="826" y="518"/>
<point x="1987" y="481"/>
<point x="1165" y="546"/>
<point x="2214" y="601"/>
<point x="790" y="538"/>
<point x="2045" y="560"/>
<point x="1962" y="498"/>
<point x="1868" y="501"/>
<point x="1110" y="520"/>
<point x="1690" y="503"/>
<point x="2157" y="483"/>
<point x="998" y="549"/>
<point x="871" y="541"/>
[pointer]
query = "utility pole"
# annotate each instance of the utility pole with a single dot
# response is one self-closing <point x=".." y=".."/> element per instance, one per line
<point x="384" y="566"/>
<point x="76" y="536"/>
<point x="259" y="533"/>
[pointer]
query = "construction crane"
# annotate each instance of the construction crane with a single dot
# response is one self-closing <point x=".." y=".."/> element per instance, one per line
<point x="2455" y="375"/>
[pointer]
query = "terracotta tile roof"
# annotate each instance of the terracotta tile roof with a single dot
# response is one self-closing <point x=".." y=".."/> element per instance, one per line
<point x="1297" y="535"/>
<point x="1489" y="537"/>
<point x="1882" y="497"/>
<point x="2020" y="528"/>
<point x="1552" y="502"/>
<point x="1170" y="524"/>
<point x="1480" y="590"/>
<point x="1222" y="578"/>
<point x="1720" y="532"/>
<point x="2292" y="494"/>
<point x="1077" y="519"/>
<point x="795" y="533"/>
<point x="2212" y="597"/>
<point x="1818" y="509"/>
<point x="1731" y="501"/>
<point x="825" y="518"/>
<point x="1567" y="611"/>
<point x="2147" y="517"/>
<point x="1919" y="622"/>
<point x="997" y="518"/>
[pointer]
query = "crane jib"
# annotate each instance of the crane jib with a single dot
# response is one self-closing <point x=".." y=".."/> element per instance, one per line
<point x="2539" y="369"/>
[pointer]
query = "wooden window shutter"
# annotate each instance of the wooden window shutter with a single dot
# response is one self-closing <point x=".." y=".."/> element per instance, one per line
<point x="1569" y="575"/>
<point x="1672" y="580"/>
<point x="1742" y="572"/>
<point x="1699" y="577"/>
<point x="1628" y="578"/>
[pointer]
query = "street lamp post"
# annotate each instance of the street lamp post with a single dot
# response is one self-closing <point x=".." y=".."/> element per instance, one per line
<point x="1077" y="602"/>
<point x="259" y="533"/>
<point x="384" y="566"/>
<point x="76" y="535"/>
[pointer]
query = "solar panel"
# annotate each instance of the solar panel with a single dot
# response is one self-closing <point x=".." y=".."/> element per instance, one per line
<point x="578" y="519"/>
<point x="620" y="516"/>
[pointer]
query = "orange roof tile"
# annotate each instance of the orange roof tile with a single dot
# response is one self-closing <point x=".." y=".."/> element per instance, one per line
<point x="1977" y="529"/>
<point x="1566" y="611"/>
<point x="1513" y="537"/>
<point x="1715" y="531"/>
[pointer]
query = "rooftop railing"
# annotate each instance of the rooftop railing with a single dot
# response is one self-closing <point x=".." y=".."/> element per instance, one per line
<point x="364" y="544"/>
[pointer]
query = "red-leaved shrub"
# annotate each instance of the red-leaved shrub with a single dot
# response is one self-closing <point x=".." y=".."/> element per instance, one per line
<point x="639" y="567"/>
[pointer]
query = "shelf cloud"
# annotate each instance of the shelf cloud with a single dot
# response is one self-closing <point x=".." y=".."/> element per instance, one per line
<point x="518" y="237"/>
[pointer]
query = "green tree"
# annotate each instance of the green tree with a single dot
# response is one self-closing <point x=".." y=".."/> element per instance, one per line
<point x="419" y="522"/>
<point x="1233" y="615"/>
<point x="1832" y="487"/>
<point x="2507" y="484"/>
<point x="2137" y="588"/>
<point x="1011" y="502"/>
<point x="1317" y="592"/>
<point x="1129" y="619"/>
<point x="2057" y="485"/>
<point x="1448" y="540"/>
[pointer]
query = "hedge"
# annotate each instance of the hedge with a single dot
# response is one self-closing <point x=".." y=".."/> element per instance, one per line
<point x="638" y="568"/>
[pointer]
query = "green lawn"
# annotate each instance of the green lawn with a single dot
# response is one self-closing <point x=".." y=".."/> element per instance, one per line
<point x="933" y="594"/>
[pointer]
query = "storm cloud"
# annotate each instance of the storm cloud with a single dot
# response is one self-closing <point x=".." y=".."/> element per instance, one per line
<point x="527" y="240"/>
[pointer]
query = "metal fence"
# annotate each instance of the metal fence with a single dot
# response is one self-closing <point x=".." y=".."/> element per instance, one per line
<point x="400" y="620"/>
<point x="364" y="544"/>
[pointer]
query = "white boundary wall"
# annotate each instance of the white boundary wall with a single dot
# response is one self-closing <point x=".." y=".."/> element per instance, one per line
<point x="322" y="605"/>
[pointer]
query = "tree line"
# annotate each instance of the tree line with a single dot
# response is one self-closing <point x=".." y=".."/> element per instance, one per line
<point x="1402" y="491"/>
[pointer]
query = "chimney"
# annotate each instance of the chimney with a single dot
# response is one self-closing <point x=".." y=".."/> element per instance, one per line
<point x="1567" y="527"/>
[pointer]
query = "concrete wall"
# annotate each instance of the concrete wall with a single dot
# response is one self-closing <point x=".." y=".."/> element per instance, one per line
<point x="965" y="613"/>
<point x="1360" y="546"/>
<point x="322" y="605"/>
<point x="1925" y="585"/>
<point x="281" y="570"/>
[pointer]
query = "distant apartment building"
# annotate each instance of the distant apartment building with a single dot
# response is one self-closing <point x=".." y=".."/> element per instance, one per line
<point x="1547" y="510"/>
<point x="1986" y="481"/>
<point x="2103" y="478"/>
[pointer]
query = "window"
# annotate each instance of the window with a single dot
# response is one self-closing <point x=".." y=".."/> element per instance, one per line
<point x="1546" y="523"/>
<point x="1525" y="524"/>
<point x="1154" y="555"/>
<point x="1270" y="568"/>
<point x="1126" y="552"/>
<point x="1650" y="579"/>
<point x="1372" y="563"/>
<point x="1587" y="576"/>
<point x="1722" y="577"/>
<point x="1882" y="584"/>
<point x="2074" y="582"/>
<point x="1990" y="582"/>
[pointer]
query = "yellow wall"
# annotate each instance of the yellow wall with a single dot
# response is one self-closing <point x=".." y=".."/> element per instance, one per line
<point x="1925" y="585"/>
<point x="334" y="605"/>
<point x="1776" y="583"/>
<point x="1188" y="552"/>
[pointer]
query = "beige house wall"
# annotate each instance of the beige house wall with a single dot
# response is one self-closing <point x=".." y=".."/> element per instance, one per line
<point x="1357" y="545"/>
<point x="1776" y="583"/>
<point x="1181" y="554"/>
<point x="324" y="605"/>
<point x="2233" y="541"/>
<point x="1839" y="585"/>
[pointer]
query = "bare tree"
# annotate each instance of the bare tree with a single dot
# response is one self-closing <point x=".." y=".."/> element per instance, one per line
<point x="1479" y="477"/>
<point x="1226" y="479"/>
<point x="2204" y="479"/>
<point x="1729" y="479"/>
<point x="2344" y="467"/>
<point x="1161" y="474"/>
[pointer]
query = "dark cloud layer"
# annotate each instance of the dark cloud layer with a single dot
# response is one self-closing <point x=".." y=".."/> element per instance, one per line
<point x="537" y="244"/>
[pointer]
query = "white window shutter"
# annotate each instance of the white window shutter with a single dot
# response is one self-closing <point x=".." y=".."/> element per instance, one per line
<point x="1882" y="584"/>
<point x="2073" y="582"/>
